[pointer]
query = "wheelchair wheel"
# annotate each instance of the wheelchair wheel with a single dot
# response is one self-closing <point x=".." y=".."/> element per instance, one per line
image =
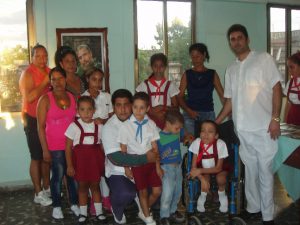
<point x="194" y="220"/>
<point x="237" y="221"/>
<point x="185" y="192"/>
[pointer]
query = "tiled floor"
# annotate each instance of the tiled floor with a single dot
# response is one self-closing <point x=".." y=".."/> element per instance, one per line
<point x="17" y="207"/>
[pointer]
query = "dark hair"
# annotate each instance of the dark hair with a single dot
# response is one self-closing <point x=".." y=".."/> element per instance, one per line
<point x="212" y="123"/>
<point x="200" y="47"/>
<point x="37" y="46"/>
<point x="87" y="99"/>
<point x="141" y="96"/>
<point x="159" y="57"/>
<point x="237" y="28"/>
<point x="92" y="70"/>
<point x="174" y="116"/>
<point x="62" y="52"/>
<point x="295" y="58"/>
<point x="59" y="70"/>
<point x="121" y="93"/>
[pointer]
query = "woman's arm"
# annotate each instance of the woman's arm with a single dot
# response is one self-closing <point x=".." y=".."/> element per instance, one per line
<point x="70" y="167"/>
<point x="42" y="109"/>
<point x="219" y="88"/>
<point x="286" y="109"/>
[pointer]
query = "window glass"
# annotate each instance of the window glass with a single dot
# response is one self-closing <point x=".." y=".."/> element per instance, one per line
<point x="295" y="36"/>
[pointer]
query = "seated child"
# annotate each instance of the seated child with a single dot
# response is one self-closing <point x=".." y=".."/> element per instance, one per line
<point x="85" y="157"/>
<point x="209" y="154"/>
<point x="170" y="159"/>
<point x="138" y="135"/>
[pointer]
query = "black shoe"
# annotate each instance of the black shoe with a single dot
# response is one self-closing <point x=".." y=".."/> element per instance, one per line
<point x="270" y="222"/>
<point x="85" y="221"/>
<point x="177" y="217"/>
<point x="101" y="218"/>
<point x="245" y="215"/>
<point x="165" y="221"/>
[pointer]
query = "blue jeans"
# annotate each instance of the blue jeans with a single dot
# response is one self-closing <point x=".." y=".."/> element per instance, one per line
<point x="58" y="169"/>
<point x="189" y="123"/>
<point x="171" y="189"/>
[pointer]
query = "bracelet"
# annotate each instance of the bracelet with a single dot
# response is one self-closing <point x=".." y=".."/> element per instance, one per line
<point x="277" y="119"/>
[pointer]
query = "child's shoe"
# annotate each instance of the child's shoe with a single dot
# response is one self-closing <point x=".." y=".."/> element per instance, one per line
<point x="223" y="201"/>
<point x="201" y="201"/>
<point x="165" y="221"/>
<point x="75" y="209"/>
<point x="177" y="217"/>
<point x="42" y="199"/>
<point x="57" y="213"/>
<point x="106" y="203"/>
<point x="82" y="219"/>
<point x="92" y="207"/>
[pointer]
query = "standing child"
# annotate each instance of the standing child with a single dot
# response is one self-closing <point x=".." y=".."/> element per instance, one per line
<point x="170" y="159"/>
<point x="138" y="135"/>
<point x="162" y="92"/>
<point x="85" y="157"/>
<point x="103" y="112"/>
<point x="209" y="154"/>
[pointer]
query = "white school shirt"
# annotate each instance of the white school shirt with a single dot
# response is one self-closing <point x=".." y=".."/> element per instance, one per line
<point x="209" y="163"/>
<point x="293" y="97"/>
<point x="73" y="132"/>
<point x="249" y="84"/>
<point x="110" y="144"/>
<point x="103" y="104"/>
<point x="159" y="99"/>
<point x="127" y="136"/>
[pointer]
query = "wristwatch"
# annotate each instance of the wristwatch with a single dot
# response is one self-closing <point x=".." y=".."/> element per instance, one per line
<point x="277" y="119"/>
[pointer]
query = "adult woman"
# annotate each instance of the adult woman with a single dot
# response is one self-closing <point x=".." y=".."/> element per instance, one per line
<point x="199" y="82"/>
<point x="55" y="111"/>
<point x="292" y="91"/>
<point x="66" y="58"/>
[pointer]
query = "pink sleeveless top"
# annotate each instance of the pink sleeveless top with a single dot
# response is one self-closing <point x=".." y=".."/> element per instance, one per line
<point x="37" y="77"/>
<point x="57" y="122"/>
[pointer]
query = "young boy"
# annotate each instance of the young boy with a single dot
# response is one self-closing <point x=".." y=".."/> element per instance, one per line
<point x="138" y="135"/>
<point x="170" y="159"/>
<point x="161" y="91"/>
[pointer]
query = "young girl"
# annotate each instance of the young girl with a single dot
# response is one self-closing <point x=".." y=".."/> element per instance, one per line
<point x="138" y="135"/>
<point x="103" y="112"/>
<point x="85" y="157"/>
<point x="209" y="154"/>
<point x="162" y="92"/>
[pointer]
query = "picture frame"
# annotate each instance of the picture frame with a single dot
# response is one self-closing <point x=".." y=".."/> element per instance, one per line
<point x="95" y="39"/>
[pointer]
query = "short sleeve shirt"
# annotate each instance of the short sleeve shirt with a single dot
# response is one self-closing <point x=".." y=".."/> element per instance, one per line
<point x="293" y="97"/>
<point x="249" y="84"/>
<point x="209" y="163"/>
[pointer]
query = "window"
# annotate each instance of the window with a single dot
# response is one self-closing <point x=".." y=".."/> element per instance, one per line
<point x="284" y="33"/>
<point x="13" y="53"/>
<point x="160" y="28"/>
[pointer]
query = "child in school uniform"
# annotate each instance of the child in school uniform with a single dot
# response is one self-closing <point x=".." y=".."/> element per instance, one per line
<point x="85" y="157"/>
<point x="162" y="92"/>
<point x="170" y="160"/>
<point x="103" y="112"/>
<point x="138" y="135"/>
<point x="209" y="154"/>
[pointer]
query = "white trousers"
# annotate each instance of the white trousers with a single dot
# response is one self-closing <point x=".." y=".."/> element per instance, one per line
<point x="257" y="151"/>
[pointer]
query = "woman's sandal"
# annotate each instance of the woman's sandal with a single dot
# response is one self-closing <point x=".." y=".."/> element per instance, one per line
<point x="101" y="218"/>
<point x="84" y="221"/>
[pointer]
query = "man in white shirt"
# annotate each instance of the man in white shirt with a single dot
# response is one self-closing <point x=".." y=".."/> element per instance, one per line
<point x="253" y="95"/>
<point x="123" y="190"/>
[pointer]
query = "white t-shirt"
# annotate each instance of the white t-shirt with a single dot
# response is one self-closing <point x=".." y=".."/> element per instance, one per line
<point x="159" y="99"/>
<point x="73" y="132"/>
<point x="293" y="97"/>
<point x="110" y="144"/>
<point x="103" y="104"/>
<point x="249" y="84"/>
<point x="209" y="163"/>
<point x="127" y="136"/>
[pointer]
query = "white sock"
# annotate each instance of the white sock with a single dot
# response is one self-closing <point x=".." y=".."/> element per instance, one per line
<point x="223" y="201"/>
<point x="83" y="211"/>
<point x="98" y="208"/>
<point x="201" y="201"/>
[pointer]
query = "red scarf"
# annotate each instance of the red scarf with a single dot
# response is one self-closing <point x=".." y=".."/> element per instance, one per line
<point x="153" y="82"/>
<point x="202" y="149"/>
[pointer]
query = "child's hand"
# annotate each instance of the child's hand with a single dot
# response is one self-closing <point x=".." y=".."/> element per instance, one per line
<point x="128" y="173"/>
<point x="195" y="172"/>
<point x="193" y="114"/>
<point x="160" y="172"/>
<point x="70" y="171"/>
<point x="188" y="139"/>
<point x="98" y="121"/>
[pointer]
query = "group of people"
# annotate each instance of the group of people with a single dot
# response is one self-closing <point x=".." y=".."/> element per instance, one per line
<point x="130" y="144"/>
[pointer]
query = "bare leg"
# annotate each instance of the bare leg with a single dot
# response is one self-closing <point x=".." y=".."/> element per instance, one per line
<point x="143" y="195"/>
<point x="45" y="174"/>
<point x="35" y="174"/>
<point x="221" y="180"/>
<point x="83" y="189"/>
<point x="156" y="191"/>
<point x="96" y="194"/>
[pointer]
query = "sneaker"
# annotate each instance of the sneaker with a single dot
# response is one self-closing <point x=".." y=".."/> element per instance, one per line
<point x="75" y="209"/>
<point x="47" y="192"/>
<point x="57" y="213"/>
<point x="149" y="220"/>
<point x="223" y="204"/>
<point x="177" y="217"/>
<point x="165" y="221"/>
<point x="122" y="221"/>
<point x="106" y="204"/>
<point x="42" y="199"/>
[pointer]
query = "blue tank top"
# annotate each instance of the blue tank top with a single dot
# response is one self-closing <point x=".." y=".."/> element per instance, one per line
<point x="200" y="86"/>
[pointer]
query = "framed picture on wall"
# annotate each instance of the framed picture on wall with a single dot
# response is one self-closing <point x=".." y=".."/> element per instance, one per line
<point x="90" y="45"/>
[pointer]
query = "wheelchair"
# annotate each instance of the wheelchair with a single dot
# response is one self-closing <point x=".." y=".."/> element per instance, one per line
<point x="235" y="187"/>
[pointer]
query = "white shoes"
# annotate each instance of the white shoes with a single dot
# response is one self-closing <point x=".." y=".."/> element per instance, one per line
<point x="75" y="209"/>
<point x="42" y="198"/>
<point x="148" y="220"/>
<point x="200" y="203"/>
<point x="47" y="192"/>
<point x="57" y="213"/>
<point x="223" y="204"/>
